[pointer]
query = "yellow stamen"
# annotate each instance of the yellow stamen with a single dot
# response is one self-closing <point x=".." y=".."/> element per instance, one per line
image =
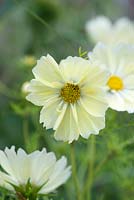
<point x="70" y="93"/>
<point x="115" y="83"/>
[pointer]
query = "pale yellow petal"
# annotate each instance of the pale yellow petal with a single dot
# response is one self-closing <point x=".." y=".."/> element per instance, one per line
<point x="59" y="176"/>
<point x="74" y="68"/>
<point x="68" y="129"/>
<point x="88" y="124"/>
<point x="50" y="113"/>
<point x="94" y="105"/>
<point x="47" y="70"/>
<point x="40" y="93"/>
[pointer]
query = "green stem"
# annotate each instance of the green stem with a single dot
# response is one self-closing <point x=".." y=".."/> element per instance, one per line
<point x="90" y="176"/>
<point x="47" y="26"/>
<point x="127" y="143"/>
<point x="20" y="197"/>
<point x="74" y="172"/>
<point x="102" y="163"/>
<point x="113" y="153"/>
<point x="4" y="90"/>
<point x="25" y="131"/>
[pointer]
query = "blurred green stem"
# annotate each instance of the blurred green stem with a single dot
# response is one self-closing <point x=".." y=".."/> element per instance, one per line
<point x="113" y="153"/>
<point x="4" y="90"/>
<point x="20" y="197"/>
<point x="127" y="143"/>
<point x="25" y="131"/>
<point x="90" y="176"/>
<point x="102" y="163"/>
<point x="47" y="26"/>
<point x="74" y="172"/>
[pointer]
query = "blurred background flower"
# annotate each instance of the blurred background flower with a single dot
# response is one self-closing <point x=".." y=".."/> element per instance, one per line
<point x="101" y="29"/>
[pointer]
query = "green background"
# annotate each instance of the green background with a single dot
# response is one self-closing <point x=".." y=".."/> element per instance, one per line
<point x="57" y="27"/>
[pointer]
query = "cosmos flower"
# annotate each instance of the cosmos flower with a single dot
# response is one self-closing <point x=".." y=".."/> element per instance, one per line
<point x="29" y="175"/>
<point x="118" y="60"/>
<point x="101" y="29"/>
<point x="72" y="95"/>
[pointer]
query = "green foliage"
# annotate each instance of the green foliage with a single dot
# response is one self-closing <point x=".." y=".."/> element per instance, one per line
<point x="82" y="54"/>
<point x="41" y="27"/>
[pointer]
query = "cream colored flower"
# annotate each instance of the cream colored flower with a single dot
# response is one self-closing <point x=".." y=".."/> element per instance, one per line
<point x="72" y="95"/>
<point x="32" y="174"/>
<point x="101" y="29"/>
<point x="118" y="60"/>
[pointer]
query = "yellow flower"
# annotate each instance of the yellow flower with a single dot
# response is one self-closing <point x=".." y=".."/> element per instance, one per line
<point x="118" y="60"/>
<point x="101" y="29"/>
<point x="72" y="95"/>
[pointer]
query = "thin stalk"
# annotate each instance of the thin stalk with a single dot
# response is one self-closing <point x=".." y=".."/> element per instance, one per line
<point x="47" y="26"/>
<point x="90" y="175"/>
<point x="20" y="197"/>
<point x="25" y="131"/>
<point x="113" y="153"/>
<point x="103" y="162"/>
<point x="3" y="197"/>
<point x="4" y="90"/>
<point x="74" y="172"/>
<point x="127" y="143"/>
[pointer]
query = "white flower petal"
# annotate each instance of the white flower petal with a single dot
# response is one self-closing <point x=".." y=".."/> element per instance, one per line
<point x="46" y="116"/>
<point x="128" y="96"/>
<point x="40" y="93"/>
<point x="59" y="176"/>
<point x="20" y="164"/>
<point x="98" y="79"/>
<point x="88" y="124"/>
<point x="101" y="29"/>
<point x="5" y="163"/>
<point x="44" y="162"/>
<point x="129" y="82"/>
<point x="74" y="68"/>
<point x="68" y="129"/>
<point x="95" y="106"/>
<point x="47" y="70"/>
<point x="60" y="117"/>
<point x="104" y="56"/>
<point x="39" y="167"/>
<point x="116" y="102"/>
<point x="5" y="181"/>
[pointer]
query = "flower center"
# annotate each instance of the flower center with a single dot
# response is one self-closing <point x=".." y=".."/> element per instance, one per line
<point x="115" y="83"/>
<point x="70" y="93"/>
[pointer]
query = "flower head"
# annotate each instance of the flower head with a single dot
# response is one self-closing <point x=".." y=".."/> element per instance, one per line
<point x="72" y="95"/>
<point x="29" y="175"/>
<point x="118" y="60"/>
<point x="101" y="29"/>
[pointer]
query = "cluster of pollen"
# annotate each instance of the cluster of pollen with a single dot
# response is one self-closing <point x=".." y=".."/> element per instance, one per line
<point x="115" y="83"/>
<point x="70" y="93"/>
